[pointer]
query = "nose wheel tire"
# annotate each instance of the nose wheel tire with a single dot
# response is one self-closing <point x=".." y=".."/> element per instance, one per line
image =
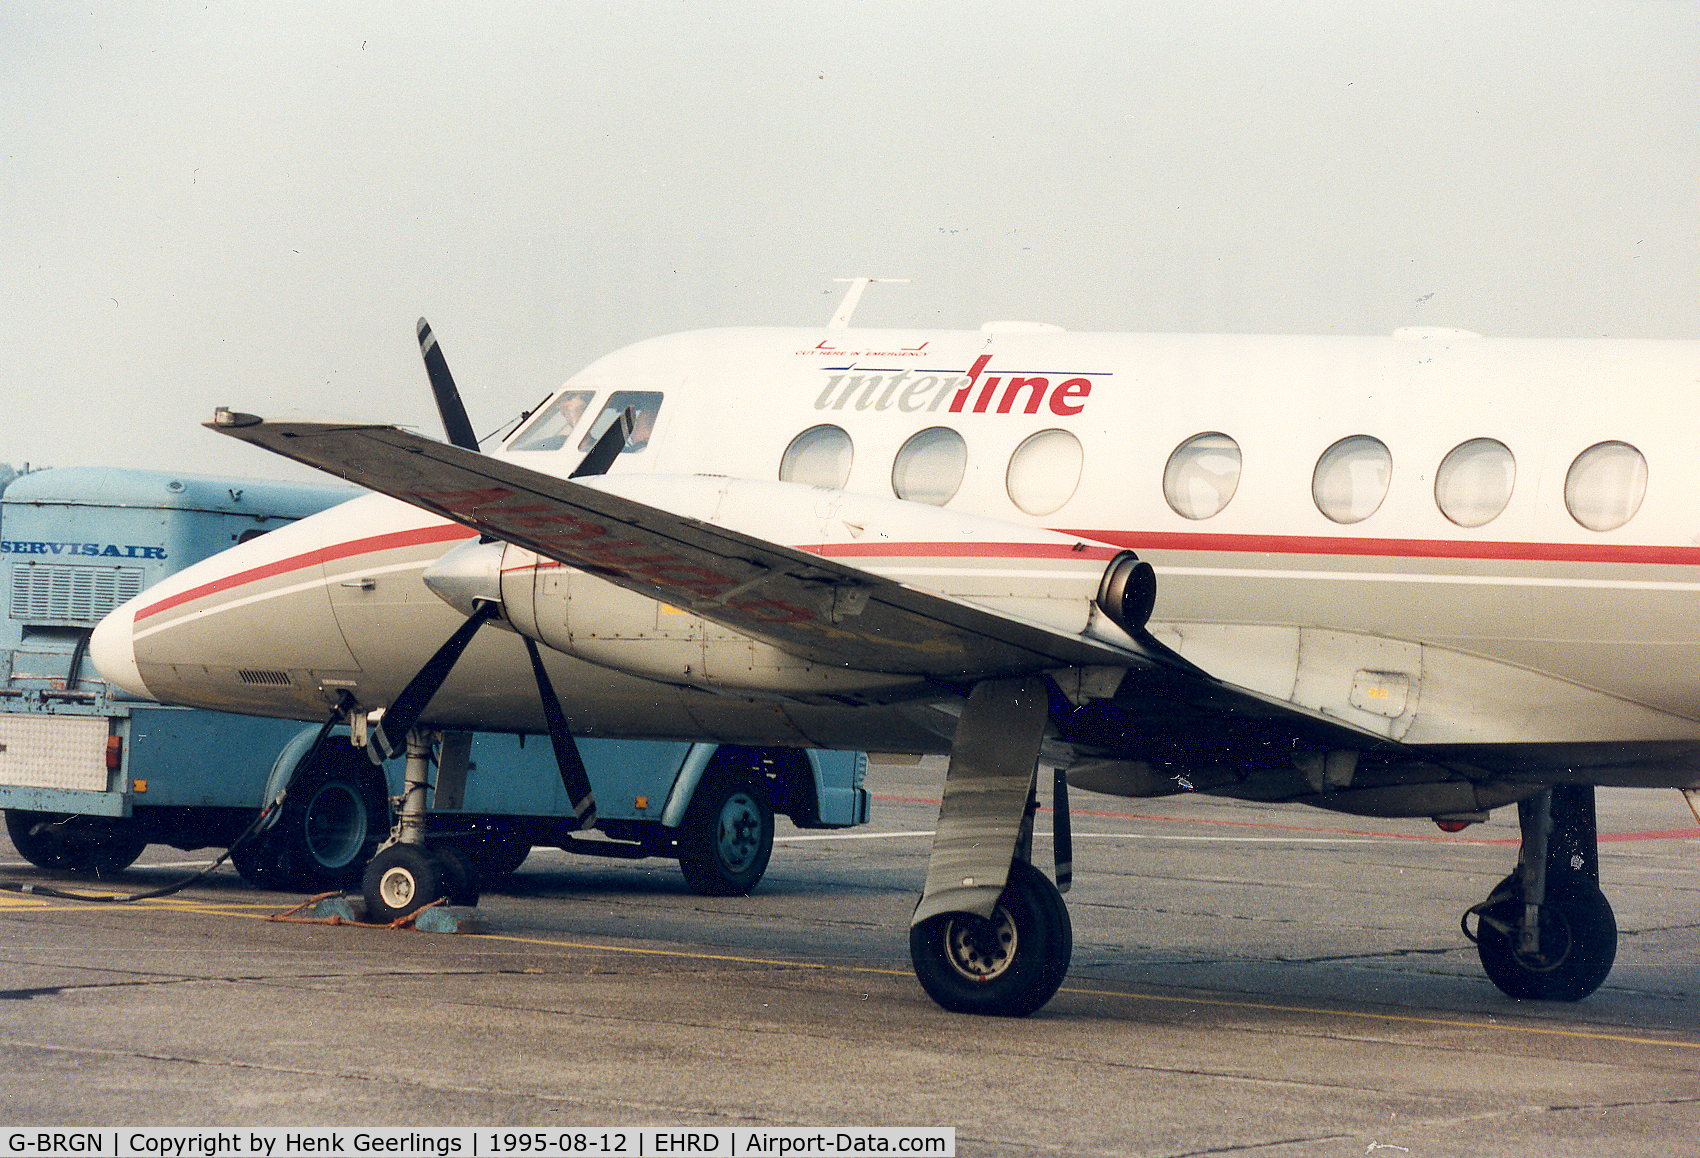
<point x="403" y="879"/>
<point x="1578" y="940"/>
<point x="1007" y="965"/>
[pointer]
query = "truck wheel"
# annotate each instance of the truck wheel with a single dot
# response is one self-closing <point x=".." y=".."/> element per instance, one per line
<point x="94" y="845"/>
<point x="727" y="837"/>
<point x="332" y="819"/>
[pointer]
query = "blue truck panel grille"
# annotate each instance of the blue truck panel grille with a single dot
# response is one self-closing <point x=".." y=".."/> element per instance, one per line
<point x="59" y="593"/>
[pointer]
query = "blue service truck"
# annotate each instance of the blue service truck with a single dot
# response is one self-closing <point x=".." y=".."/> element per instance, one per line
<point x="89" y="775"/>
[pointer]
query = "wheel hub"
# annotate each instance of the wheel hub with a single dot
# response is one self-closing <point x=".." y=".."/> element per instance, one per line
<point x="740" y="830"/>
<point x="978" y="948"/>
<point x="1555" y="943"/>
<point x="335" y="826"/>
<point x="397" y="887"/>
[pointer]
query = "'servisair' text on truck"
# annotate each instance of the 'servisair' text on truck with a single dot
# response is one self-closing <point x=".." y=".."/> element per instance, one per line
<point x="89" y="776"/>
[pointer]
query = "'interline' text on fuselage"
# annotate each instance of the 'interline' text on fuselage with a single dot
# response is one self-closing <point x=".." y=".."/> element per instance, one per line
<point x="975" y="392"/>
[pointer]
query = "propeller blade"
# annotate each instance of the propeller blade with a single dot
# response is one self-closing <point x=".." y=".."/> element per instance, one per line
<point x="389" y="738"/>
<point x="567" y="759"/>
<point x="1062" y="833"/>
<point x="455" y="422"/>
<point x="608" y="447"/>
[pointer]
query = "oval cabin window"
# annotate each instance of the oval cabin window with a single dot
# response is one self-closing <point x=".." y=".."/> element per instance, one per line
<point x="1202" y="475"/>
<point x="818" y="457"/>
<point x="929" y="467"/>
<point x="1351" y="478"/>
<point x="1473" y="484"/>
<point x="1044" y="471"/>
<point x="1605" y="485"/>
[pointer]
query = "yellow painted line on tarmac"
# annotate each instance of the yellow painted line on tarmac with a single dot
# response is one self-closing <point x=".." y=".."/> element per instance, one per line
<point x="260" y="911"/>
<point x="685" y="954"/>
<point x="20" y="901"/>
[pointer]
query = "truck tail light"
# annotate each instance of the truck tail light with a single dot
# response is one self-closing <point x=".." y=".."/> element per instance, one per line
<point x="114" y="753"/>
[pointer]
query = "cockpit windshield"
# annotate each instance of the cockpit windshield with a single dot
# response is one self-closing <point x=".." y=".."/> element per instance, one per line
<point x="551" y="429"/>
<point x="645" y="404"/>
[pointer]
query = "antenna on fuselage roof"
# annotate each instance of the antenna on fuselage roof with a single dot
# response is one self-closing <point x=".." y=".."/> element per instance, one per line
<point x="853" y="295"/>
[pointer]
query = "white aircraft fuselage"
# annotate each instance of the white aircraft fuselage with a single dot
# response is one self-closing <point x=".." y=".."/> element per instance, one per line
<point x="1528" y="630"/>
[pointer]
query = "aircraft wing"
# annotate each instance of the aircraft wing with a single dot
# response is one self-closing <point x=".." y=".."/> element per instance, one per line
<point x="822" y="609"/>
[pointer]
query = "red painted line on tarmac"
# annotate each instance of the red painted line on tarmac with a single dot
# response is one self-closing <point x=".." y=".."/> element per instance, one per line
<point x="1666" y="834"/>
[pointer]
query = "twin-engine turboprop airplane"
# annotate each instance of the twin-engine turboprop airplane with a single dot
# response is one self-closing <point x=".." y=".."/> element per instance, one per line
<point x="1423" y="576"/>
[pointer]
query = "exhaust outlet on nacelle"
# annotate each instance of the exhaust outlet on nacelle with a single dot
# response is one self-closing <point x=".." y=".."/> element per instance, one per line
<point x="1128" y="592"/>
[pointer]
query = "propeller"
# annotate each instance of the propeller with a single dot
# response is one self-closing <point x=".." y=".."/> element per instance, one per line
<point x="608" y="447"/>
<point x="389" y="737"/>
<point x="455" y="422"/>
<point x="567" y="759"/>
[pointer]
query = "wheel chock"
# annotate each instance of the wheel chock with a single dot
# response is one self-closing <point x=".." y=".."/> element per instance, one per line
<point x="447" y="919"/>
<point x="336" y="909"/>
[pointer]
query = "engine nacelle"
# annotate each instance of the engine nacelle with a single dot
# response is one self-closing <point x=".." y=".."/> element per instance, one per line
<point x="594" y="620"/>
<point x="1026" y="572"/>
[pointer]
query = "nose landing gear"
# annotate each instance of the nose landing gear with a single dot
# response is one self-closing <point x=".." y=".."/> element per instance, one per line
<point x="406" y="874"/>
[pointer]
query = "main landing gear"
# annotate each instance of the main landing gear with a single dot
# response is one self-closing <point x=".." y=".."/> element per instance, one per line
<point x="1008" y="964"/>
<point x="991" y="934"/>
<point x="1546" y="932"/>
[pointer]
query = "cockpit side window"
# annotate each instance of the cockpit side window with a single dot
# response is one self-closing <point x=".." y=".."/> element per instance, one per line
<point x="645" y="404"/>
<point x="551" y="429"/>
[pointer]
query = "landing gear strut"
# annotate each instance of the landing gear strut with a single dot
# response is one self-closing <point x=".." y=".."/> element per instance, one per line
<point x="1546" y="932"/>
<point x="406" y="874"/>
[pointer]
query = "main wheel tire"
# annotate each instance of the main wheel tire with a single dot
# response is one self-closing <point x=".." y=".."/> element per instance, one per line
<point x="333" y="817"/>
<point x="1006" y="966"/>
<point x="1578" y="941"/>
<point x="98" y="846"/>
<point x="403" y="879"/>
<point x="727" y="837"/>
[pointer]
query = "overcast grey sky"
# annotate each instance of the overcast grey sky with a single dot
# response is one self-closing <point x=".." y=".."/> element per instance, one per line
<point x="249" y="205"/>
